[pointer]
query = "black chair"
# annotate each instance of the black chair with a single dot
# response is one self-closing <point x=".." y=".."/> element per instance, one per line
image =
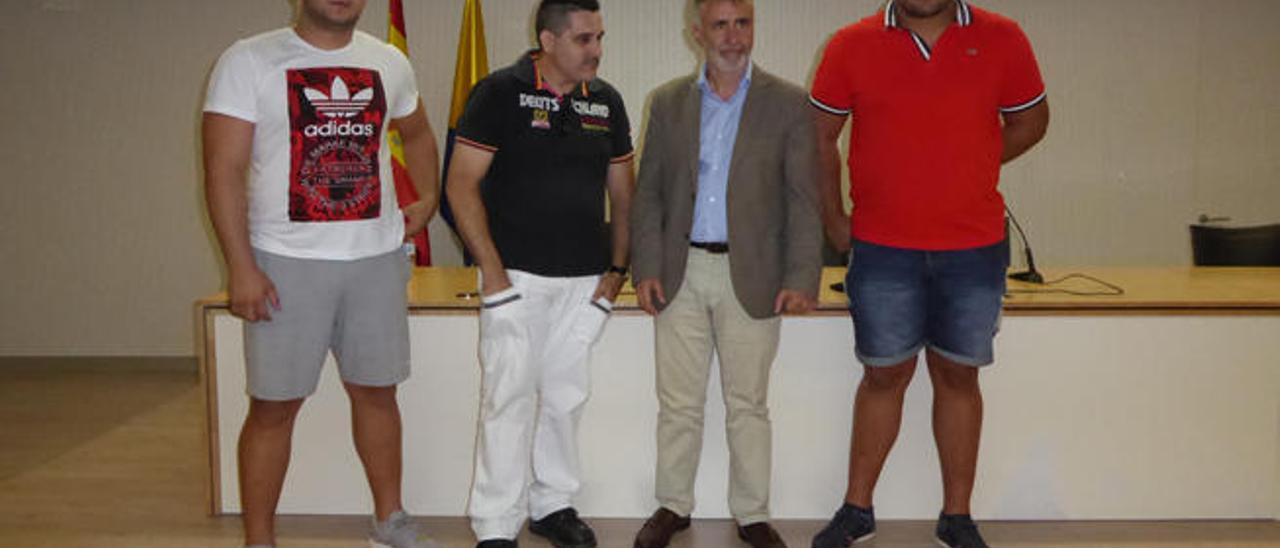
<point x="1247" y="246"/>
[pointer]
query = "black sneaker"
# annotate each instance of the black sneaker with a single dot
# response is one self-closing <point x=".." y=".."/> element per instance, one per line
<point x="959" y="531"/>
<point x="497" y="543"/>
<point x="850" y="525"/>
<point x="564" y="530"/>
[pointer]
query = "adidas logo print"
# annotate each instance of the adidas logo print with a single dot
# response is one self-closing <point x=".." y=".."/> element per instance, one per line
<point x="339" y="104"/>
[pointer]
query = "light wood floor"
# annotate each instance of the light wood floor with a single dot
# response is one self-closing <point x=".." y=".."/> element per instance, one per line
<point x="107" y="453"/>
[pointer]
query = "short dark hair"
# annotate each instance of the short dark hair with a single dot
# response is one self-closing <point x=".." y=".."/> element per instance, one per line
<point x="553" y="15"/>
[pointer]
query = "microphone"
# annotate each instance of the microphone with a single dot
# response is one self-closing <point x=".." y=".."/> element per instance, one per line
<point x="1030" y="275"/>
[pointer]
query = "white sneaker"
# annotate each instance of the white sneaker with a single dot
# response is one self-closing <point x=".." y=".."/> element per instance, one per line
<point x="399" y="531"/>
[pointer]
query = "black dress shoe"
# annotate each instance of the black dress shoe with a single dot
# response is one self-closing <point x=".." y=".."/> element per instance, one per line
<point x="564" y="530"/>
<point x="659" y="529"/>
<point x="497" y="543"/>
<point x="761" y="535"/>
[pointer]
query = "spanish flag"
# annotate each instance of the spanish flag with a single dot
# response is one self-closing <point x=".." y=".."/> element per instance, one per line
<point x="405" y="193"/>
<point x="472" y="66"/>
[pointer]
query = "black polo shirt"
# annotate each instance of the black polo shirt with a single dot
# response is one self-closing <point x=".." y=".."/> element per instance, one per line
<point x="545" y="191"/>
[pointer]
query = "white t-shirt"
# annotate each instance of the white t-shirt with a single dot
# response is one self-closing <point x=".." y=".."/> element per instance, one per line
<point x="321" y="183"/>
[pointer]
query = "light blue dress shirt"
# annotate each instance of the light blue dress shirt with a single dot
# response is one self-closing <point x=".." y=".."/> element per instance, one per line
<point x="719" y="132"/>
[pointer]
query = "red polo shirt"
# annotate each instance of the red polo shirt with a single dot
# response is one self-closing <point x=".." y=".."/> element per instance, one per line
<point x="925" y="147"/>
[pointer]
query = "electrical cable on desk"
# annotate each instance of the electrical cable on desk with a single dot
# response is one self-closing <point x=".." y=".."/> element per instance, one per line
<point x="1113" y="290"/>
<point x="1034" y="277"/>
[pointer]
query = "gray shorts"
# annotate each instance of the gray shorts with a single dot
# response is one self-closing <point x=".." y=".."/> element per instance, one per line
<point x="358" y="309"/>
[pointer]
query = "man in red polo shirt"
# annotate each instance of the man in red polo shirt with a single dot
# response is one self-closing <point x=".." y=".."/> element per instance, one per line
<point x="941" y="94"/>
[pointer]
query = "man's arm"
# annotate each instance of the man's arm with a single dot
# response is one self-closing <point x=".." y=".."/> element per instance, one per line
<point x="423" y="162"/>
<point x="467" y="169"/>
<point x="835" y="221"/>
<point x="646" y="218"/>
<point x="228" y="144"/>
<point x="803" y="228"/>
<point x="622" y="184"/>
<point x="1022" y="130"/>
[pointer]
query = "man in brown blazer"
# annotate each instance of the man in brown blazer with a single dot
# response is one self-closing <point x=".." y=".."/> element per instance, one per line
<point x="725" y="237"/>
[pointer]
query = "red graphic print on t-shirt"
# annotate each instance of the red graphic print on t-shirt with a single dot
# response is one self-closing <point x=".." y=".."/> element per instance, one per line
<point x="336" y="117"/>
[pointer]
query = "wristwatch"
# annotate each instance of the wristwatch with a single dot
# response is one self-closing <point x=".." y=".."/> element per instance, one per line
<point x="619" y="270"/>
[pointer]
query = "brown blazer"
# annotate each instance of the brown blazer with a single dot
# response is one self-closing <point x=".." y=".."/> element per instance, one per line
<point x="775" y="231"/>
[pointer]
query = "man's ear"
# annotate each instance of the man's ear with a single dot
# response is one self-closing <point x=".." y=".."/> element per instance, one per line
<point x="546" y="40"/>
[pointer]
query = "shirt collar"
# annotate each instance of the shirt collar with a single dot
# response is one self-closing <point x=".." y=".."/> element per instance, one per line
<point x="964" y="16"/>
<point x="705" y="86"/>
<point x="527" y="70"/>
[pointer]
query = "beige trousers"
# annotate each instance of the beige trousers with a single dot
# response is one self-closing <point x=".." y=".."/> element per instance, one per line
<point x="703" y="317"/>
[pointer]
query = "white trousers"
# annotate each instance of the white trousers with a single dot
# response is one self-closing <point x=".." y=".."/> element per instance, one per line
<point x="535" y="339"/>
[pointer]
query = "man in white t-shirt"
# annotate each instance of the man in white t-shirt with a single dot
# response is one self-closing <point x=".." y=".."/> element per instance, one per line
<point x="301" y="194"/>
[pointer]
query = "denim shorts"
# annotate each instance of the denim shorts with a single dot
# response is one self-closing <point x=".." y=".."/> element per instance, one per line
<point x="903" y="300"/>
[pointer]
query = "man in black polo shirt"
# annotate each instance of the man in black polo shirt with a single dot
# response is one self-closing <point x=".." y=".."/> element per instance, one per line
<point x="541" y="142"/>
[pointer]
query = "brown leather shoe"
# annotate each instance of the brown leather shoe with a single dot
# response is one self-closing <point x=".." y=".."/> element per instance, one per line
<point x="659" y="528"/>
<point x="761" y="535"/>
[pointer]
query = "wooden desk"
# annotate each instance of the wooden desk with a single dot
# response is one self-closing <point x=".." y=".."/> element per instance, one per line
<point x="1186" y="290"/>
<point x="1162" y="403"/>
<point x="1172" y="290"/>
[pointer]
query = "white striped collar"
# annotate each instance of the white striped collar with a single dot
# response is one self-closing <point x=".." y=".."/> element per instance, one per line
<point x="964" y="16"/>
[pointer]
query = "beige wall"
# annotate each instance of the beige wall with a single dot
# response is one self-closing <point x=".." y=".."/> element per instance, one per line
<point x="1163" y="109"/>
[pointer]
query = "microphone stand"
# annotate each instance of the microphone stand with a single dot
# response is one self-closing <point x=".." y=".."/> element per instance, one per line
<point x="1030" y="275"/>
